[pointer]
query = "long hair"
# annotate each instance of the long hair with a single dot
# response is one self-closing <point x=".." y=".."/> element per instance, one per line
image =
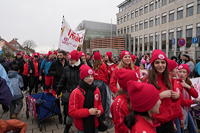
<point x="97" y="64"/>
<point x="123" y="65"/>
<point x="152" y="77"/>
<point x="189" y="82"/>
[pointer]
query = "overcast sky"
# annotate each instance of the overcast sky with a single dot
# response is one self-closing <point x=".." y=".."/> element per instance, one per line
<point x="40" y="20"/>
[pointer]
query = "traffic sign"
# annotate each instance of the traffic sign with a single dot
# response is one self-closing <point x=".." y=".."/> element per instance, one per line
<point x="181" y="42"/>
<point x="195" y="40"/>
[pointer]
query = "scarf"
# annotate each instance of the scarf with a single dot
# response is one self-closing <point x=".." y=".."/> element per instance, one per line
<point x="88" y="122"/>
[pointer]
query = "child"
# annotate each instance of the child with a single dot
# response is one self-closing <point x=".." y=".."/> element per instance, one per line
<point x="145" y="101"/>
<point x="15" y="88"/>
<point x="85" y="103"/>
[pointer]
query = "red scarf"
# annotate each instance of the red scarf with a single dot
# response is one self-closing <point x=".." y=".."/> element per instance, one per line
<point x="25" y="72"/>
<point x="35" y="63"/>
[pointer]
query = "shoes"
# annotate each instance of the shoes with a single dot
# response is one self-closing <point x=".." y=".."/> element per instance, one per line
<point x="13" y="116"/>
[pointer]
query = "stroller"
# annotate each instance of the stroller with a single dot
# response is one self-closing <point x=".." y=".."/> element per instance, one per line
<point x="42" y="106"/>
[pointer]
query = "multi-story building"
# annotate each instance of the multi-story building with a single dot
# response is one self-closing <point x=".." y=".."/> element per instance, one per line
<point x="160" y="24"/>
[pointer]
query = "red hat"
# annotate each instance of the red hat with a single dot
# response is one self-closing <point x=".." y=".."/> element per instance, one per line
<point x="97" y="56"/>
<point x="81" y="54"/>
<point x="184" y="66"/>
<point x="109" y="54"/>
<point x="36" y="54"/>
<point x="74" y="55"/>
<point x="49" y="53"/>
<point x="85" y="70"/>
<point x="171" y="65"/>
<point x="158" y="54"/>
<point x="55" y="52"/>
<point x="133" y="57"/>
<point x="123" y="53"/>
<point x="124" y="75"/>
<point x="143" y="96"/>
<point x="26" y="56"/>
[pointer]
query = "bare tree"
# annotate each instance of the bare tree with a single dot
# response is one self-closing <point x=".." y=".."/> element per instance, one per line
<point x="29" y="44"/>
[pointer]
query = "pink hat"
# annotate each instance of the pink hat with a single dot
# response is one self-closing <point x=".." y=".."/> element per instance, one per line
<point x="184" y="66"/>
<point x="171" y="65"/>
<point x="85" y="70"/>
<point x="124" y="75"/>
<point x="158" y="54"/>
<point x="133" y="57"/>
<point x="109" y="54"/>
<point x="74" y="55"/>
<point x="81" y="54"/>
<point x="123" y="53"/>
<point x="97" y="56"/>
<point x="49" y="53"/>
<point x="143" y="96"/>
<point x="26" y="56"/>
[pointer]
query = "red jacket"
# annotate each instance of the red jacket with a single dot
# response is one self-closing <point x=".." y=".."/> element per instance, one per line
<point x="111" y="68"/>
<point x="119" y="109"/>
<point x="143" y="126"/>
<point x="101" y="73"/>
<point x="76" y="110"/>
<point x="169" y="109"/>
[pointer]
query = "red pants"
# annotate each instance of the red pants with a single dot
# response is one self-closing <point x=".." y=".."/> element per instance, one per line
<point x="48" y="82"/>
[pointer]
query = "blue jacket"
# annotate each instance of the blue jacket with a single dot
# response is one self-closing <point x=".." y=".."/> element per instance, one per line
<point x="45" y="66"/>
<point x="5" y="94"/>
<point x="16" y="84"/>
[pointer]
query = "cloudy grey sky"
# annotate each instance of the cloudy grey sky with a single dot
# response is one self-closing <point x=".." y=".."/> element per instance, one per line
<point x="40" y="20"/>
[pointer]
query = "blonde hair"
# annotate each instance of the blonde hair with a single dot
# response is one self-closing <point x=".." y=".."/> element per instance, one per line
<point x="122" y="65"/>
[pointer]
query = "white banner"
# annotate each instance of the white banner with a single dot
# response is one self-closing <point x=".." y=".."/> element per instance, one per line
<point x="196" y="84"/>
<point x="70" y="39"/>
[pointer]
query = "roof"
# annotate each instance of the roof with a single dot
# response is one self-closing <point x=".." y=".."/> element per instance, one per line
<point x="123" y="3"/>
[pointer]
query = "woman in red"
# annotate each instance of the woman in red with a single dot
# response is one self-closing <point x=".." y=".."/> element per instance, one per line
<point x="145" y="101"/>
<point x="159" y="77"/>
<point x="85" y="103"/>
<point x="121" y="106"/>
<point x="127" y="63"/>
<point x="188" y="91"/>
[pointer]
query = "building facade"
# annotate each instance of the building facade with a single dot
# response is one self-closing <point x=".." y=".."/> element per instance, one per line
<point x="160" y="24"/>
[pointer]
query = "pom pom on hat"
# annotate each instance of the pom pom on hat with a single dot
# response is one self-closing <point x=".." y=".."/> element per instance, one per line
<point x="81" y="54"/>
<point x="171" y="65"/>
<point x="109" y="54"/>
<point x="184" y="66"/>
<point x="158" y="54"/>
<point x="143" y="96"/>
<point x="85" y="71"/>
<point x="74" y="55"/>
<point x="125" y="75"/>
<point x="123" y="53"/>
<point x="97" y="56"/>
<point x="133" y="57"/>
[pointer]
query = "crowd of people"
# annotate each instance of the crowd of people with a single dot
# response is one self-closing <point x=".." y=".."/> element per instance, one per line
<point x="148" y="94"/>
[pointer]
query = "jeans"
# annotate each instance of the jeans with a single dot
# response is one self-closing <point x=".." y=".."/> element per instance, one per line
<point x="178" y="126"/>
<point x="190" y="124"/>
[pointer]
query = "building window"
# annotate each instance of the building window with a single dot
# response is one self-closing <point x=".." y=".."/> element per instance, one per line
<point x="128" y="15"/>
<point x="118" y="31"/>
<point x="136" y="13"/>
<point x="146" y="9"/>
<point x="150" y="43"/>
<point x="171" y="40"/>
<point x="156" y="41"/>
<point x="145" y="43"/>
<point x="141" y="11"/>
<point x="140" y="44"/>
<point x="132" y="14"/>
<point x="132" y="28"/>
<point x="179" y="34"/>
<point x="164" y="2"/>
<point x="198" y="6"/>
<point x="140" y="26"/>
<point x="180" y="13"/>
<point x="128" y="29"/>
<point x="157" y="20"/>
<point x="164" y="18"/>
<point x="198" y="32"/>
<point x="157" y="4"/>
<point x="189" y="36"/>
<point x="146" y="24"/>
<point x="189" y="10"/>
<point x="171" y="16"/>
<point x="151" y="6"/>
<point x="136" y="27"/>
<point x="136" y="44"/>
<point x="131" y="44"/>
<point x="121" y="30"/>
<point x="164" y="43"/>
<point x="124" y="30"/>
<point x="170" y="1"/>
<point x="151" y="22"/>
<point x="121" y="19"/>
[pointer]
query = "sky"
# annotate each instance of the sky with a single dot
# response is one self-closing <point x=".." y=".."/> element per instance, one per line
<point x="40" y="20"/>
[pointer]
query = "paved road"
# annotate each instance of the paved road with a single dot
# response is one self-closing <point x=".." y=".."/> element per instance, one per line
<point x="51" y="125"/>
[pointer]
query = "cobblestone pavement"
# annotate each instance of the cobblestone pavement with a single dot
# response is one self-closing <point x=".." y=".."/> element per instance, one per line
<point x="50" y="125"/>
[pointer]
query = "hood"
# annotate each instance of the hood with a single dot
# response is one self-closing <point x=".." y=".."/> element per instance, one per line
<point x="12" y="74"/>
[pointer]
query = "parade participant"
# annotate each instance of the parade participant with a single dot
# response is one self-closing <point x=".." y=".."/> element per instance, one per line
<point x="57" y="68"/>
<point x="68" y="82"/>
<point x="126" y="63"/>
<point x="188" y="91"/>
<point x="145" y="102"/>
<point x="26" y="72"/>
<point x="85" y="103"/>
<point x="159" y="77"/>
<point x="34" y="74"/>
<point x="121" y="106"/>
<point x="16" y="82"/>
